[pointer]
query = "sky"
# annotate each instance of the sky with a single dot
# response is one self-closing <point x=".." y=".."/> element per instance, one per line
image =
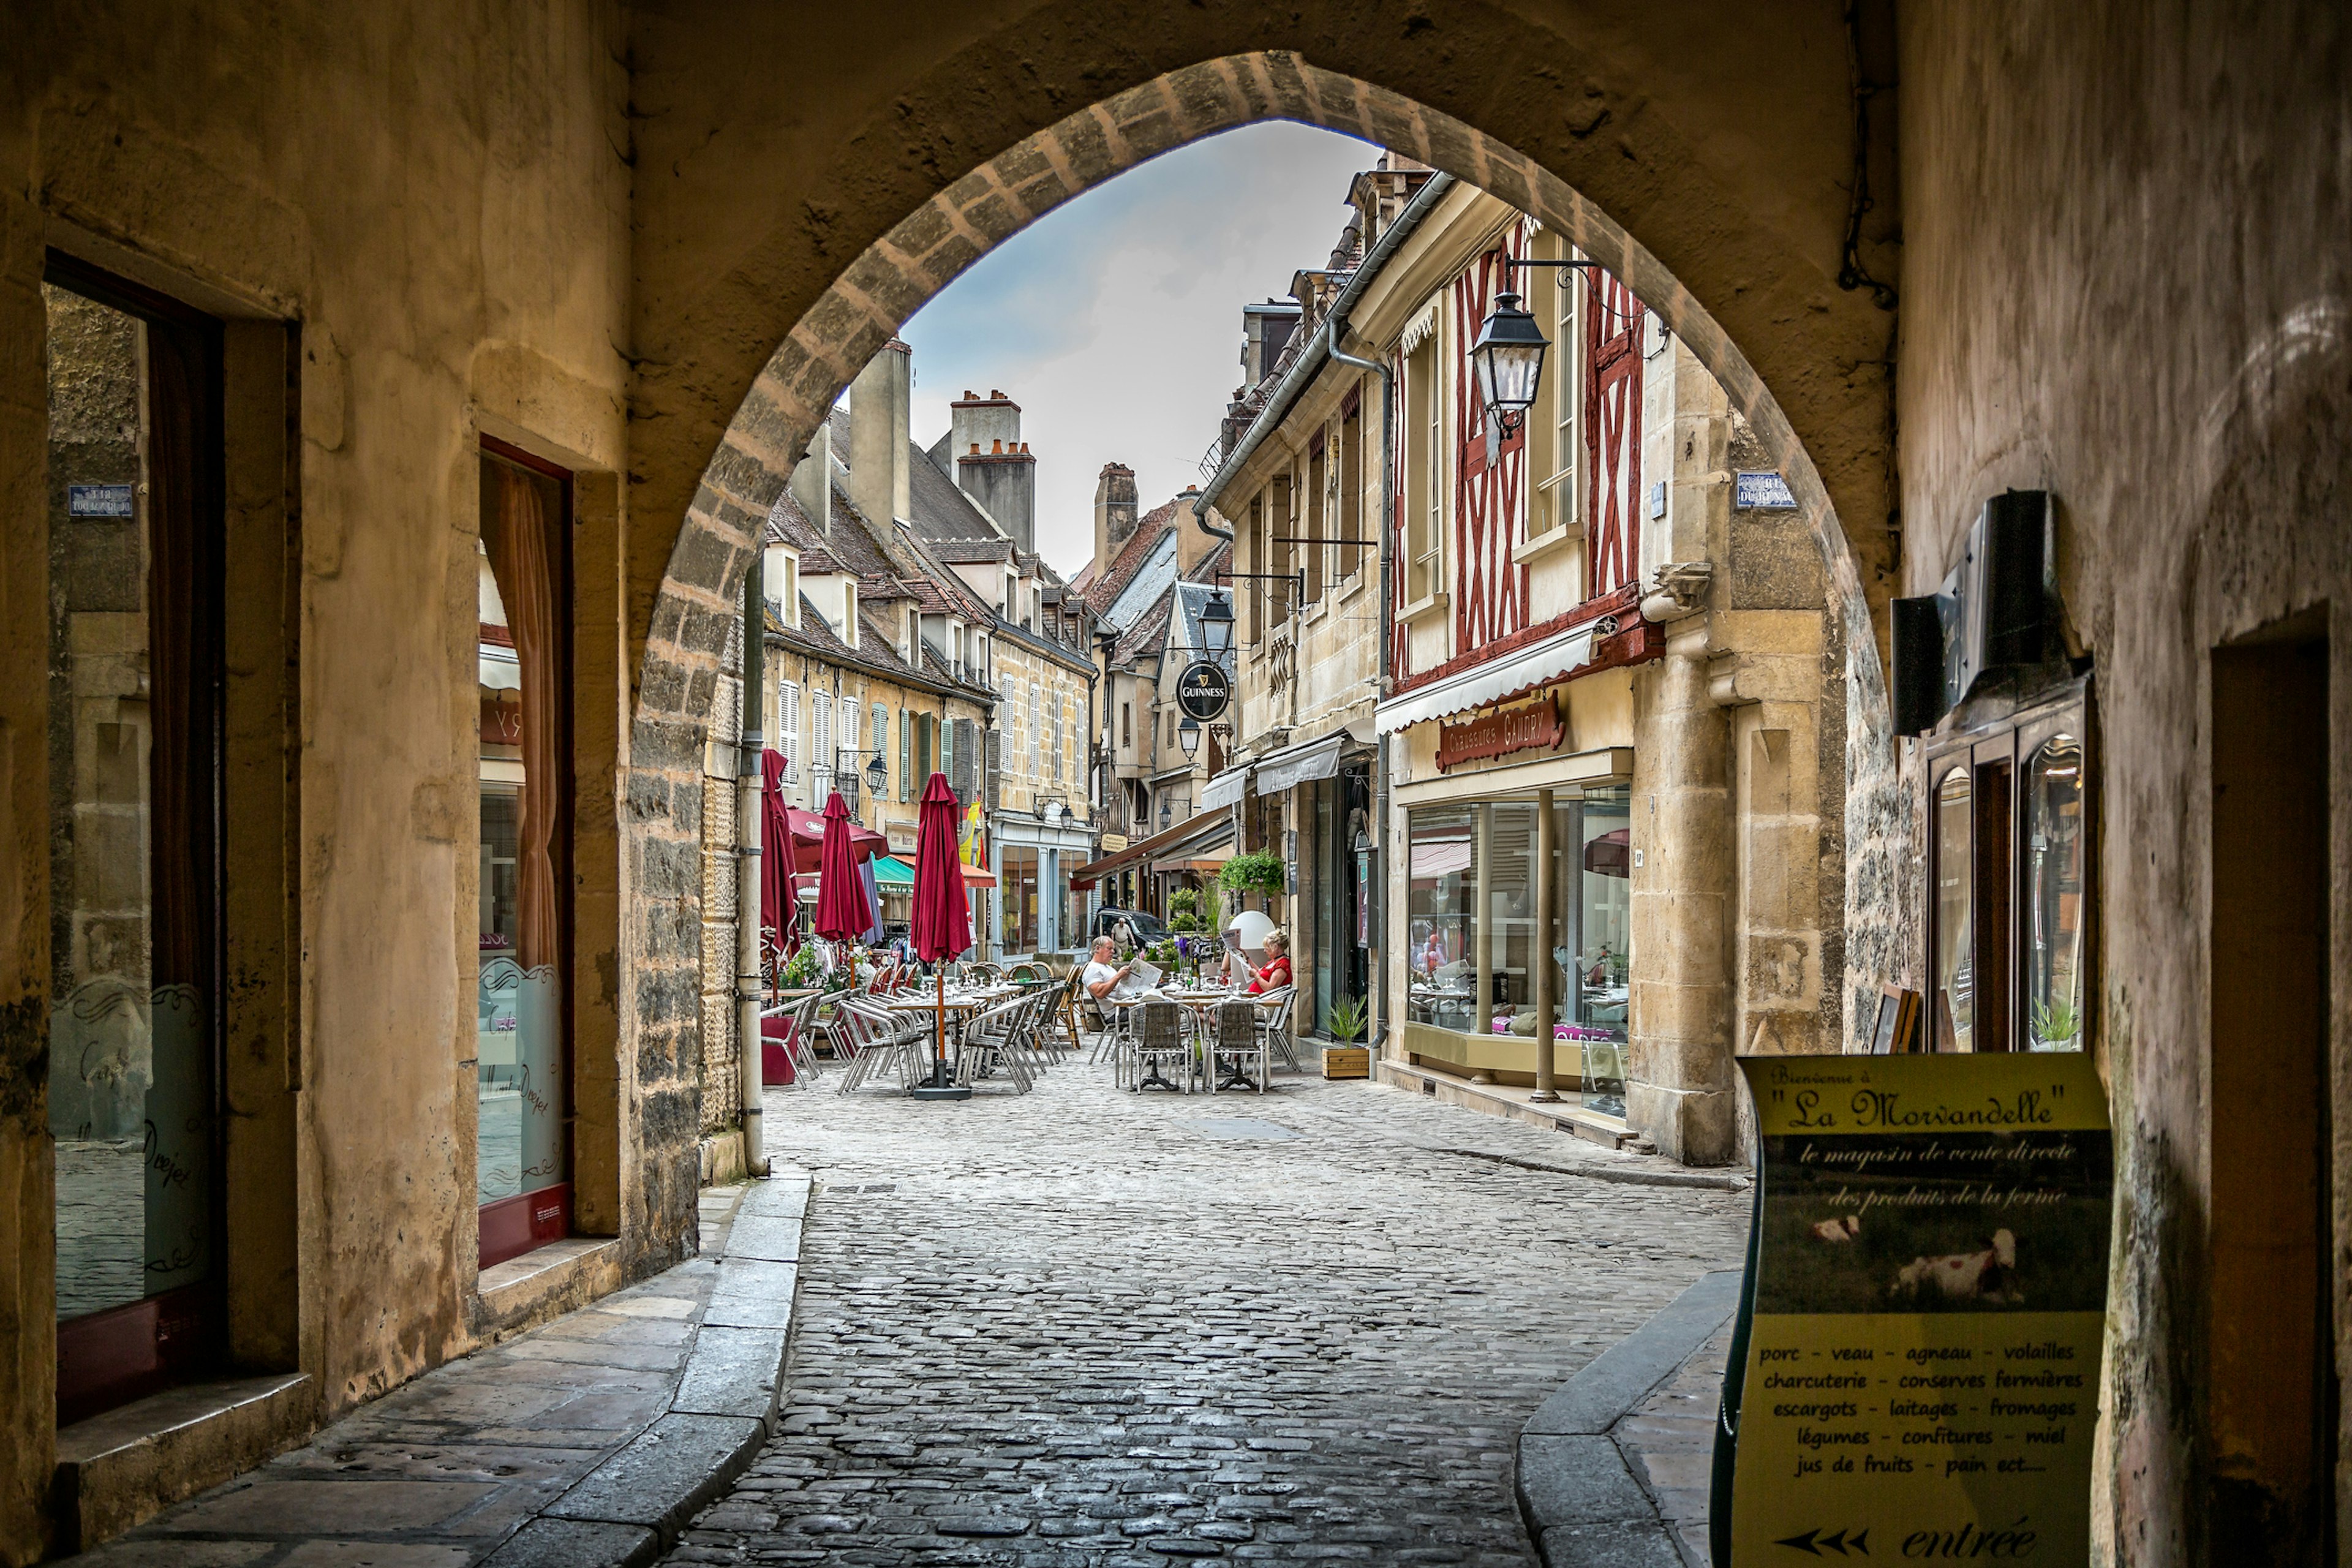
<point x="1115" y="319"/>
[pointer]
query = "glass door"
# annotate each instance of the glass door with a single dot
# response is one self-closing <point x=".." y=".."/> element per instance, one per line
<point x="522" y="1018"/>
<point x="135" y="790"/>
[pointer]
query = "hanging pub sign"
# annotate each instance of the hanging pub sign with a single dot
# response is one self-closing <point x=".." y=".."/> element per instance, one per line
<point x="1523" y="729"/>
<point x="1914" y="1372"/>
<point x="1203" y="689"/>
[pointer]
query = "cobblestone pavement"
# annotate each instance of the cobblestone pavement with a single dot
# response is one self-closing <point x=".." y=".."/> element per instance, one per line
<point x="1087" y="1328"/>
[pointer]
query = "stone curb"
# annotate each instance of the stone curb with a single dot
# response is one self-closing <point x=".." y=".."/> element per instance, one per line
<point x="629" y="1509"/>
<point x="1583" y="1505"/>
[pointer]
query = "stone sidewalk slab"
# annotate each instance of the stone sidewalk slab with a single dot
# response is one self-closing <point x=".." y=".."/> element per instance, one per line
<point x="589" y="1441"/>
<point x="1613" y="1468"/>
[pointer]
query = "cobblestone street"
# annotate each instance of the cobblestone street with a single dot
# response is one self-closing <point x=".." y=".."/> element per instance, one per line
<point x="1086" y="1327"/>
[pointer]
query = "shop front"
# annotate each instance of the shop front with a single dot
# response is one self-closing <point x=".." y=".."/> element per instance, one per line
<point x="1512" y="850"/>
<point x="1039" y="909"/>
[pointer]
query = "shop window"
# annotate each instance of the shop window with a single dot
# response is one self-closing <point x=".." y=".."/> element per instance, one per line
<point x="1017" y="879"/>
<point x="1474" y="942"/>
<point x="135" y="836"/>
<point x="2009" y="900"/>
<point x="522" y="986"/>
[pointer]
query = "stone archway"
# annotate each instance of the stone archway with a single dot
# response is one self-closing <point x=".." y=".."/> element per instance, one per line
<point x="1817" y="395"/>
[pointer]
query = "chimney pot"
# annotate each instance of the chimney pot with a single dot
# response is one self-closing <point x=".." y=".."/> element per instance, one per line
<point x="975" y="448"/>
<point x="996" y="446"/>
<point x="996" y="392"/>
<point x="967" y="394"/>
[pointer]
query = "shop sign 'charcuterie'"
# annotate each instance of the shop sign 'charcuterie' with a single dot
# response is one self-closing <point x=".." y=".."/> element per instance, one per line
<point x="1916" y="1370"/>
<point x="1499" y="734"/>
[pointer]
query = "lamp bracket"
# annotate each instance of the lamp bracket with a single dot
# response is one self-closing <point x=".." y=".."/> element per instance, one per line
<point x="1579" y="265"/>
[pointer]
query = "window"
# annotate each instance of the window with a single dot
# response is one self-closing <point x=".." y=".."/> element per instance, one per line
<point x="2008" y="883"/>
<point x="906" y="755"/>
<point x="1253" y="605"/>
<point x="1351" y="488"/>
<point x="1035" y="738"/>
<point x="1017" y="877"/>
<point x="1473" y="949"/>
<point x="788" y="588"/>
<point x="881" y="732"/>
<point x="1423" y="442"/>
<point x="1282" y="527"/>
<point x="1314" y="512"/>
<point x="521" y="1069"/>
<point x="788" y="727"/>
<point x="820" y="769"/>
<point x="847" y="760"/>
<point x="1056" y="710"/>
<point x="1126" y="724"/>
<point x="849" y="612"/>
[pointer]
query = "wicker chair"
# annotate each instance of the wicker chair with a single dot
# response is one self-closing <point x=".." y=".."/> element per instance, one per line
<point x="1156" y="1038"/>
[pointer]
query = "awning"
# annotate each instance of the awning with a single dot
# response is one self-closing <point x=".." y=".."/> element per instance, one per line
<point x="1548" y="661"/>
<point x="1196" y="834"/>
<point x="1300" y="764"/>
<point x="894" y="875"/>
<point x="978" y="876"/>
<point x="1225" y="790"/>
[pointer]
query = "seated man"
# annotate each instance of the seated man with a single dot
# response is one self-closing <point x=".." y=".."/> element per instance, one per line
<point x="1102" y="977"/>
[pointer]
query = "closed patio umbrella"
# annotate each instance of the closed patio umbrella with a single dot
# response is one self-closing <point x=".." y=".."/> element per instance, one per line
<point x="779" y="910"/>
<point x="842" y="911"/>
<point x="943" y="925"/>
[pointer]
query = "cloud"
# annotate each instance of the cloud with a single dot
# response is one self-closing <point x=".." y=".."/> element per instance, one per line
<point x="1115" y="321"/>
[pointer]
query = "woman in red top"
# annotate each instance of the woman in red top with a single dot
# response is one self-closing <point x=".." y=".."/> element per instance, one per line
<point x="1277" y="973"/>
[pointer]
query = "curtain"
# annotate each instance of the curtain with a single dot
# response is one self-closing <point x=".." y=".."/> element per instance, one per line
<point x="525" y="569"/>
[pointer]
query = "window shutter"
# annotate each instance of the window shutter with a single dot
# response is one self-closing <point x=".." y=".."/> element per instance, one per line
<point x="787" y="736"/>
<point x="994" y="789"/>
<point x="959" y="759"/>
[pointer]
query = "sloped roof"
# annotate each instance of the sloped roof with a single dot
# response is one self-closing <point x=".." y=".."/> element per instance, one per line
<point x="970" y="551"/>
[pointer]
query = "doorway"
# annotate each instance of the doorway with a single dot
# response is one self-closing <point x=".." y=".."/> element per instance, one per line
<point x="2271" y="1323"/>
<point x="135" y="797"/>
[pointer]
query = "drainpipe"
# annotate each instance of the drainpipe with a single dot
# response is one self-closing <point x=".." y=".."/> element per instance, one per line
<point x="1387" y="526"/>
<point x="747" y="864"/>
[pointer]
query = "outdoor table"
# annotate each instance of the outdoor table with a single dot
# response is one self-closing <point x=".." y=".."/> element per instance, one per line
<point x="1199" y="1004"/>
<point x="955" y="1006"/>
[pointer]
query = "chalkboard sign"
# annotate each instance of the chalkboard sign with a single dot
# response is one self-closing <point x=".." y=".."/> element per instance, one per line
<point x="1915" y="1370"/>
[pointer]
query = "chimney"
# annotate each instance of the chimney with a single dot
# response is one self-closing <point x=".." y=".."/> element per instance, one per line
<point x="1114" y="512"/>
<point x="1193" y="546"/>
<point x="994" y="465"/>
<point x="812" y="481"/>
<point x="879" y="438"/>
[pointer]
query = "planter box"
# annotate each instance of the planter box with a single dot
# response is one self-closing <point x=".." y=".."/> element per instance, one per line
<point x="1347" y="1061"/>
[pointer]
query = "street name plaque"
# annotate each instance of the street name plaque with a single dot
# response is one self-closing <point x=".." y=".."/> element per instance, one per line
<point x="1915" y="1374"/>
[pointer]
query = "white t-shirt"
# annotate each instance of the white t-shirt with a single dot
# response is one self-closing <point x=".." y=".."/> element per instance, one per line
<point x="1097" y="972"/>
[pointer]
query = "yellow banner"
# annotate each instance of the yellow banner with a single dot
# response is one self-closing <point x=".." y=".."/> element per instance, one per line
<point x="1926" y="1304"/>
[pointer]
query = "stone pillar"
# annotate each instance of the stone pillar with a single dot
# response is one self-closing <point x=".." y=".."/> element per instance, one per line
<point x="1678" y="1070"/>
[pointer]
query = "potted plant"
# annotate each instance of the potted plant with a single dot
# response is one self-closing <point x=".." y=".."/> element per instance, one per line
<point x="1345" y="1019"/>
<point x="1256" y="871"/>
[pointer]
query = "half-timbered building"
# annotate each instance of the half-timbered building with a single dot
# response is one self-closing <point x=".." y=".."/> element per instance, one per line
<point x="1547" y="729"/>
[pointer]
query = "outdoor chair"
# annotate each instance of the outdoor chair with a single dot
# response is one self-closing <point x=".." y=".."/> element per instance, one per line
<point x="797" y="1036"/>
<point x="1156" y="1040"/>
<point x="1273" y="1021"/>
<point x="1234" y="1034"/>
<point x="992" y="1040"/>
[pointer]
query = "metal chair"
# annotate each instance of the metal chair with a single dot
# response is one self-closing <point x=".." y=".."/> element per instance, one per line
<point x="1236" y="1037"/>
<point x="1156" y="1036"/>
<point x="1274" y="1020"/>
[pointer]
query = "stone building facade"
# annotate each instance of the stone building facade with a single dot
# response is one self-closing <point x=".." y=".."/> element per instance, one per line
<point x="1583" y="629"/>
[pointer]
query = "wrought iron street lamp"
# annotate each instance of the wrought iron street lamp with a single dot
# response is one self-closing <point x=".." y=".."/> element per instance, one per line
<point x="876" y="775"/>
<point x="1217" y="624"/>
<point x="1188" y="735"/>
<point x="1509" y="353"/>
<point x="1508" y="356"/>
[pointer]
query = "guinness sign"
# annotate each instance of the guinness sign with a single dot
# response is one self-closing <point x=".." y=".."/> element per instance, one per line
<point x="1205" y="690"/>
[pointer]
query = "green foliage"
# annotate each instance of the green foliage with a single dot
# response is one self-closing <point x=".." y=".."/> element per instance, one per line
<point x="799" y="970"/>
<point x="1344" y="1018"/>
<point x="1258" y="872"/>
<point x="1184" y="904"/>
<point x="2056" y="1022"/>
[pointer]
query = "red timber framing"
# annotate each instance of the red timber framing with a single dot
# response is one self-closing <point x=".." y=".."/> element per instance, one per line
<point x="1490" y="475"/>
<point x="1612" y="432"/>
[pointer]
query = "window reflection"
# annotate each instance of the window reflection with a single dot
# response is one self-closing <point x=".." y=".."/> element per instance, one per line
<point x="1439" y="976"/>
<point x="1955" y="897"/>
<point x="2053" y="896"/>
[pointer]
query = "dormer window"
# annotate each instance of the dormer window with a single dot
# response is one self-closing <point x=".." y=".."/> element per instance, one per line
<point x="849" y="612"/>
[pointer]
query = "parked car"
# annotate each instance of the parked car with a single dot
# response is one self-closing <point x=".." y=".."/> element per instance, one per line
<point x="1128" y="928"/>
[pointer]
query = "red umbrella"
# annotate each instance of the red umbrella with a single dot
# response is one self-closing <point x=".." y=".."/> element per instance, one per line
<point x="842" y="911"/>
<point x="807" y="830"/>
<point x="779" y="910"/>
<point x="1609" y="855"/>
<point x="942" y="919"/>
